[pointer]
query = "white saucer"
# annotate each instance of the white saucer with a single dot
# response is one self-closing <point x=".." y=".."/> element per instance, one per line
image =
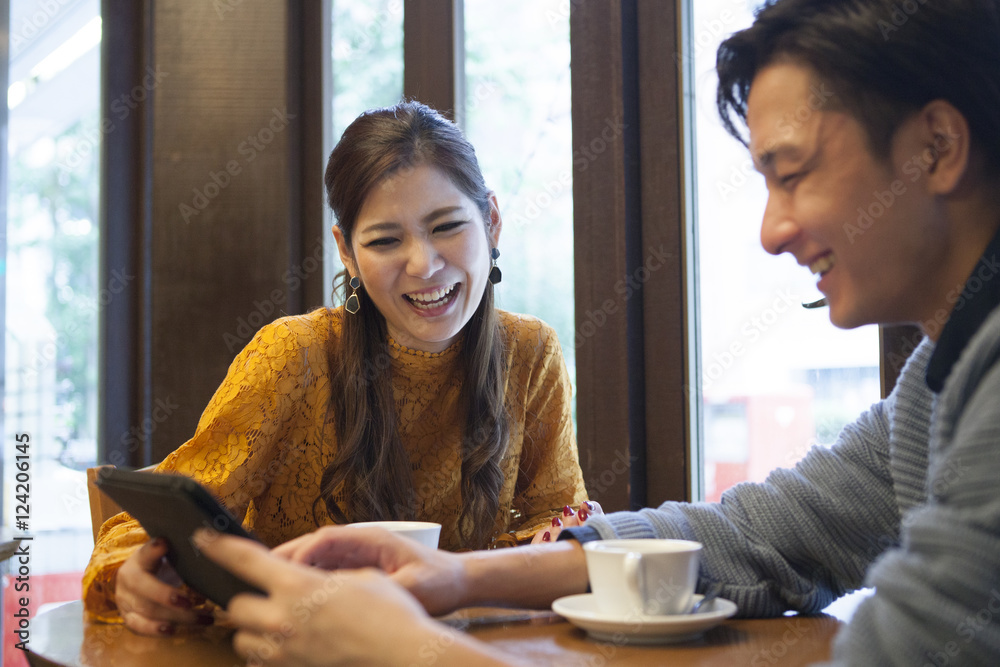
<point x="582" y="611"/>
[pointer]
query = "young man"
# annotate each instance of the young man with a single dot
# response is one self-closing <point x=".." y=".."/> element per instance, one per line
<point x="889" y="191"/>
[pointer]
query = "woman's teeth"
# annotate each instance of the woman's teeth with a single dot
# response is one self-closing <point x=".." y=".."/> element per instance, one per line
<point x="822" y="265"/>
<point x="433" y="299"/>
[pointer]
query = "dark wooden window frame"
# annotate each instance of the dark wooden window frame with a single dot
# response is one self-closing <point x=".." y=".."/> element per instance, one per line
<point x="633" y="204"/>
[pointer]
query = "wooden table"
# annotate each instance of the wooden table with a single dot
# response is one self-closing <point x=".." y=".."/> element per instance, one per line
<point x="60" y="637"/>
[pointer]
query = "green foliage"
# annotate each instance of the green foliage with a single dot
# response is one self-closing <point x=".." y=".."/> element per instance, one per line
<point x="54" y="208"/>
<point x="367" y="58"/>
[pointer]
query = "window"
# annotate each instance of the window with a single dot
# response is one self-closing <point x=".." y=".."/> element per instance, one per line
<point x="52" y="294"/>
<point x="367" y="50"/>
<point x="367" y="71"/>
<point x="776" y="378"/>
<point x="517" y="115"/>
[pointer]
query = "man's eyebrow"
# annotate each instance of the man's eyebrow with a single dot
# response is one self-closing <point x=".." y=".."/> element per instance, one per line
<point x="765" y="158"/>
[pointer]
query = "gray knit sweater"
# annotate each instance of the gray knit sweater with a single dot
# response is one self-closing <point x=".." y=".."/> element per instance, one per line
<point x="907" y="501"/>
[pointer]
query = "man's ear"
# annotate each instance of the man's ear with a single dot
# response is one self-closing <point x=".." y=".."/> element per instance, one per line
<point x="945" y="135"/>
<point x="495" y="222"/>
<point x="346" y="256"/>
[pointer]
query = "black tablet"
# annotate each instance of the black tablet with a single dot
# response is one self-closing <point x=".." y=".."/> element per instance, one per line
<point x="173" y="507"/>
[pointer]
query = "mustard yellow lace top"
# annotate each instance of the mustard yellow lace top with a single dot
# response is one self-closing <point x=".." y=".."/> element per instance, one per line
<point x="261" y="446"/>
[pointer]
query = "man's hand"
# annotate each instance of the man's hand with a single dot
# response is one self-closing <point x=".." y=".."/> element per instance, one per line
<point x="434" y="577"/>
<point x="314" y="618"/>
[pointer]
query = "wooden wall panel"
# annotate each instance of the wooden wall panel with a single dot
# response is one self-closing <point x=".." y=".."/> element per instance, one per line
<point x="599" y="206"/>
<point x="228" y="237"/>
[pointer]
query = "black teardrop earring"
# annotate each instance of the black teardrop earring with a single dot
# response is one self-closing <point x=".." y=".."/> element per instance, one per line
<point x="353" y="304"/>
<point x="495" y="275"/>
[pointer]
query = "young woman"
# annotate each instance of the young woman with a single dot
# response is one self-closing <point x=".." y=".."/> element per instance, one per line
<point x="417" y="399"/>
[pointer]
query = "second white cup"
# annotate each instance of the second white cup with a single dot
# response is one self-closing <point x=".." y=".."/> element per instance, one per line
<point x="424" y="532"/>
<point x="643" y="577"/>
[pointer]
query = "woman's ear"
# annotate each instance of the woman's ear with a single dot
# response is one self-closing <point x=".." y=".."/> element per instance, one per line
<point x="346" y="256"/>
<point x="496" y="223"/>
<point x="945" y="135"/>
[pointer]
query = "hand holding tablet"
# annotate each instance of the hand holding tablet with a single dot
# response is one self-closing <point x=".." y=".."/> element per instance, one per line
<point x="173" y="507"/>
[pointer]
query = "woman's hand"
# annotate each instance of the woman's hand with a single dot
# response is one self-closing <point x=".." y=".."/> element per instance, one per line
<point x="149" y="605"/>
<point x="568" y="519"/>
<point x="436" y="578"/>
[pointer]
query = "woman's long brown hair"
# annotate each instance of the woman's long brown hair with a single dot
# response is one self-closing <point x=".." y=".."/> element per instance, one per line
<point x="370" y="474"/>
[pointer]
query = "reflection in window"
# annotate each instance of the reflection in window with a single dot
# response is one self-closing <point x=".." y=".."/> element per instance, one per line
<point x="776" y="379"/>
<point x="52" y="292"/>
<point x="518" y="118"/>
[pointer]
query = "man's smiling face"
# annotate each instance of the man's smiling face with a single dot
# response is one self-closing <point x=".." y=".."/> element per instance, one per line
<point x="865" y="227"/>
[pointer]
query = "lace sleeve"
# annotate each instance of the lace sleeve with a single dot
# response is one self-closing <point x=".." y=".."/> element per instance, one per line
<point x="237" y="436"/>
<point x="549" y="476"/>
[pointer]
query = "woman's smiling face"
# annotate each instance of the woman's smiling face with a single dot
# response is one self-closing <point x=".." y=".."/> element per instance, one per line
<point x="421" y="249"/>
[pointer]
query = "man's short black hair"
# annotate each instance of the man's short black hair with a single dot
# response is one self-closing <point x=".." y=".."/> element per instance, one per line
<point x="882" y="60"/>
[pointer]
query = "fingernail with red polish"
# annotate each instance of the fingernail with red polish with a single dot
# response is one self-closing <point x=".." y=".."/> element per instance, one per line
<point x="166" y="629"/>
<point x="590" y="506"/>
<point x="584" y="514"/>
<point x="546" y="536"/>
<point x="556" y="521"/>
<point x="567" y="510"/>
<point x="180" y="601"/>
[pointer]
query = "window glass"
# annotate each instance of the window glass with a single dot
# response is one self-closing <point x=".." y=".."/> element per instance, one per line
<point x="52" y="295"/>
<point x="367" y="72"/>
<point x="518" y="117"/>
<point x="776" y="379"/>
<point x="367" y="54"/>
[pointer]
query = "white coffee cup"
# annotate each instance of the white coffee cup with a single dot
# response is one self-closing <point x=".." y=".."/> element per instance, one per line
<point x="424" y="532"/>
<point x="643" y="577"/>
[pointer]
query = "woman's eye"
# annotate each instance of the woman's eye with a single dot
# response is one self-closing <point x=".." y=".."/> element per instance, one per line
<point x="379" y="242"/>
<point x="449" y="226"/>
